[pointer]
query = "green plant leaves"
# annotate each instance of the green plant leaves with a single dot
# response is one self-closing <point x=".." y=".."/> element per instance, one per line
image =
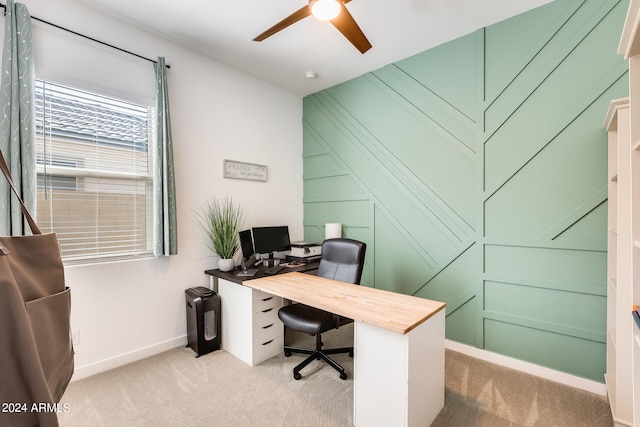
<point x="222" y="219"/>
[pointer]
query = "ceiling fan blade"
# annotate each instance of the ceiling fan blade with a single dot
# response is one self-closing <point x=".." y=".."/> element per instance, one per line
<point x="350" y="29"/>
<point x="296" y="16"/>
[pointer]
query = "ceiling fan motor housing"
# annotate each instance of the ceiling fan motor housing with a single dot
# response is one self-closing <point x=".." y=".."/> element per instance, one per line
<point x="324" y="10"/>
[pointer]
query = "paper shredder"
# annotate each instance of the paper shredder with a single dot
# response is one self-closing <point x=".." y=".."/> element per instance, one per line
<point x="203" y="320"/>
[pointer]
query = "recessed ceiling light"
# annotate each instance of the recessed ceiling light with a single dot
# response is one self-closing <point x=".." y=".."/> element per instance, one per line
<point x="311" y="75"/>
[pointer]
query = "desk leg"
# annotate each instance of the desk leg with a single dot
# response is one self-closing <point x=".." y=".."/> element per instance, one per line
<point x="399" y="379"/>
<point x="213" y="283"/>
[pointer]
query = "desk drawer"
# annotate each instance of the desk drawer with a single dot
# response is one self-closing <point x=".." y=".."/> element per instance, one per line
<point x="266" y="303"/>
<point x="267" y="332"/>
<point x="265" y="318"/>
<point x="257" y="295"/>
<point x="267" y="350"/>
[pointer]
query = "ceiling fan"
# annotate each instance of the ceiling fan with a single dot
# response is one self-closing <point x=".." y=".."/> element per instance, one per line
<point x="326" y="10"/>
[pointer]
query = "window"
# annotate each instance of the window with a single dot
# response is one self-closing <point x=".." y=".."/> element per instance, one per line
<point x="57" y="181"/>
<point x="94" y="182"/>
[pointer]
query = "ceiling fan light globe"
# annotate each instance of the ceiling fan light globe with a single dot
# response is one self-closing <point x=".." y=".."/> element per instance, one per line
<point x="324" y="10"/>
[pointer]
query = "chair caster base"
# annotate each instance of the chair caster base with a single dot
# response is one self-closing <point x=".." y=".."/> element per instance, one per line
<point x="318" y="354"/>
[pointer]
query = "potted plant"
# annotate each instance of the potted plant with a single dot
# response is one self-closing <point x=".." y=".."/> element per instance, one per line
<point x="222" y="220"/>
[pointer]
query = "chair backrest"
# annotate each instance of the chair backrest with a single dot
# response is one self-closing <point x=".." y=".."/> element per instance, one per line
<point x="342" y="259"/>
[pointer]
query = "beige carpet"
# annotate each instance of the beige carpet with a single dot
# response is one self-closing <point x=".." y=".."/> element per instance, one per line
<point x="479" y="393"/>
<point x="176" y="389"/>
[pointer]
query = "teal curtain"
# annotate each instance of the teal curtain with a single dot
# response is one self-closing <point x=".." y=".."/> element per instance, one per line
<point x="164" y="193"/>
<point x="17" y="126"/>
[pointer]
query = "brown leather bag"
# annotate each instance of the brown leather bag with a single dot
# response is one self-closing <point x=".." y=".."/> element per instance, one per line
<point x="36" y="351"/>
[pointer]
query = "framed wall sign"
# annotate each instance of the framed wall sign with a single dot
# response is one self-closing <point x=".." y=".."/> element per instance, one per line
<point x="241" y="170"/>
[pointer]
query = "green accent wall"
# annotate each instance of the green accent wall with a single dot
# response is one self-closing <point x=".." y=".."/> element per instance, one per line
<point x="476" y="174"/>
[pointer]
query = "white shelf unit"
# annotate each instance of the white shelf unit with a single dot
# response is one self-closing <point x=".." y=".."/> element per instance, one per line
<point x="620" y="249"/>
<point x="625" y="290"/>
<point x="634" y="292"/>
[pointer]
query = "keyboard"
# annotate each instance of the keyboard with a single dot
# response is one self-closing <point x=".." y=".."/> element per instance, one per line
<point x="274" y="270"/>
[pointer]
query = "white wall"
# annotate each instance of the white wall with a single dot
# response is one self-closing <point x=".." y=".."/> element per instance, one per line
<point x="128" y="310"/>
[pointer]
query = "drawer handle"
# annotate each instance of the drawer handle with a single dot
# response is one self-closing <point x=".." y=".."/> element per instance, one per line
<point x="268" y="342"/>
<point x="267" y="310"/>
<point x="268" y="326"/>
<point x="267" y="299"/>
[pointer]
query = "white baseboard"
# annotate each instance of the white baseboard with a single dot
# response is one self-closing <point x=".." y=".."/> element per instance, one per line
<point x="529" y="368"/>
<point x="85" y="371"/>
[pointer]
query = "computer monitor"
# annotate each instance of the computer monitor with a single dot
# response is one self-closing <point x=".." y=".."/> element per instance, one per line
<point x="267" y="240"/>
<point x="246" y="244"/>
<point x="248" y="255"/>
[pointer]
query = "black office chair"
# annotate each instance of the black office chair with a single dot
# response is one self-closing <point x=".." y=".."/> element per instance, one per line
<point x="342" y="259"/>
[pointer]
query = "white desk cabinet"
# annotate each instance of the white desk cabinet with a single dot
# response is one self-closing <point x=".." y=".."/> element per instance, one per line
<point x="398" y="378"/>
<point x="251" y="330"/>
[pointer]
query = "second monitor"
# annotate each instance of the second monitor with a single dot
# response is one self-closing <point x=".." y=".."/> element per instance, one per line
<point x="267" y="240"/>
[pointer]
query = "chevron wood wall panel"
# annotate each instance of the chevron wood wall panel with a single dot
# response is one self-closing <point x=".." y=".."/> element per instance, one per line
<point x="476" y="174"/>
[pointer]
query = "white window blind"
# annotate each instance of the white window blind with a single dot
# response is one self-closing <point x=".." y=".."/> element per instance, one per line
<point x="94" y="183"/>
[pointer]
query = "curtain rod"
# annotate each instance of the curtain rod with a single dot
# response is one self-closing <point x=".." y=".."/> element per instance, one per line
<point x="4" y="6"/>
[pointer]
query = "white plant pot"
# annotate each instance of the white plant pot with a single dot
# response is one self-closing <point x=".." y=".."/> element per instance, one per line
<point x="226" y="264"/>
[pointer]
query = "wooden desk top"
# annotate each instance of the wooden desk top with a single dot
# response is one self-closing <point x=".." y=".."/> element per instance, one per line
<point x="389" y="310"/>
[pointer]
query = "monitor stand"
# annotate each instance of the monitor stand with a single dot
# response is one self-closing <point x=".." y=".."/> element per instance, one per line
<point x="246" y="271"/>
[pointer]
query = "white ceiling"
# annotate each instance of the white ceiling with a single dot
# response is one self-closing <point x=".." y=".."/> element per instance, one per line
<point x="224" y="29"/>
